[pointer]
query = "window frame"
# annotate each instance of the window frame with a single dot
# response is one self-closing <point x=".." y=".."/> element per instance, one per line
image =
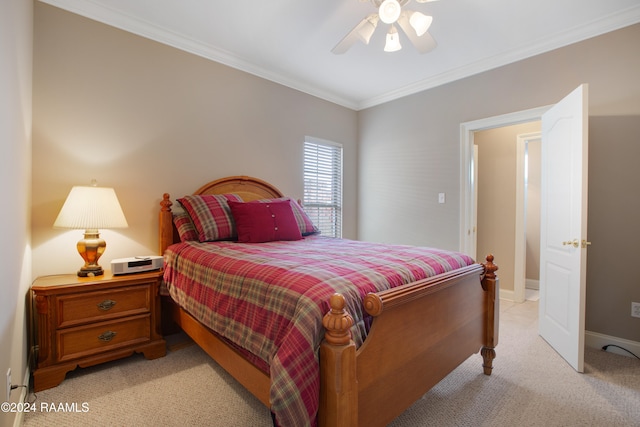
<point x="329" y="224"/>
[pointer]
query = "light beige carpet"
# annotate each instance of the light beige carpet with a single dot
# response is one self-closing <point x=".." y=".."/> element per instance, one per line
<point x="530" y="386"/>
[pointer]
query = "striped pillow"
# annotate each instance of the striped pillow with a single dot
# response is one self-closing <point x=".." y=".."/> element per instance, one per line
<point x="211" y="216"/>
<point x="186" y="230"/>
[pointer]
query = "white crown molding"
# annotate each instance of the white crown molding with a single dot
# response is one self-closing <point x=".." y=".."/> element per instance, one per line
<point x="101" y="13"/>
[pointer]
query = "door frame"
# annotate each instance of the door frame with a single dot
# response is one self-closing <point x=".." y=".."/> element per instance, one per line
<point x="468" y="214"/>
<point x="520" y="251"/>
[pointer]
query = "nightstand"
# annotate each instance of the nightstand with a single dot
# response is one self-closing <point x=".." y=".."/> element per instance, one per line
<point x="84" y="321"/>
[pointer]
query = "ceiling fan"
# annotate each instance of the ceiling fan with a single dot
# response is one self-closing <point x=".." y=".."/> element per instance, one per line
<point x="413" y="23"/>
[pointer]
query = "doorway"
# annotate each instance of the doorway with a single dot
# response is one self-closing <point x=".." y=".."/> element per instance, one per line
<point x="501" y="212"/>
<point x="503" y="244"/>
<point x="563" y="216"/>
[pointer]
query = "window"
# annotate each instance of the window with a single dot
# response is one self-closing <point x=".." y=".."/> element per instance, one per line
<point x="323" y="185"/>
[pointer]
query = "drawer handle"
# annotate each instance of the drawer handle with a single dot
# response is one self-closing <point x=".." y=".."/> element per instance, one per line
<point x="106" y="305"/>
<point x="107" y="336"/>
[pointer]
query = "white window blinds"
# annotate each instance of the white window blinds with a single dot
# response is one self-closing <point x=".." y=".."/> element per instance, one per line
<point x="323" y="185"/>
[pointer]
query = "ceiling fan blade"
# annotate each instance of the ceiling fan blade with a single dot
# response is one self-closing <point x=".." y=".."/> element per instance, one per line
<point x="363" y="32"/>
<point x="423" y="43"/>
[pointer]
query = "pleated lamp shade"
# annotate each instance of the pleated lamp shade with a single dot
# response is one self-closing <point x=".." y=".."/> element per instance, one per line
<point x="91" y="208"/>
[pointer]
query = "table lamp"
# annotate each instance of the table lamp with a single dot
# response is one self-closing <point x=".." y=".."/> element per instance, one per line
<point x="91" y="208"/>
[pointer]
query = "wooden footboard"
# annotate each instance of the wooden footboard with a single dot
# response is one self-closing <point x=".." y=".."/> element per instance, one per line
<point x="421" y="332"/>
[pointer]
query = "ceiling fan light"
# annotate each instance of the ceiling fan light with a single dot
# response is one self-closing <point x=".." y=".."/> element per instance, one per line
<point x="420" y="22"/>
<point x="389" y="11"/>
<point x="393" y="41"/>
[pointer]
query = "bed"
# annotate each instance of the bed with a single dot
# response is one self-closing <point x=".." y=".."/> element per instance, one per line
<point x="403" y="341"/>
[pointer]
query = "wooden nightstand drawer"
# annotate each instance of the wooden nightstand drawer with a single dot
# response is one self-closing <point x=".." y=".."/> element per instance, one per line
<point x="100" y="337"/>
<point x="75" y="309"/>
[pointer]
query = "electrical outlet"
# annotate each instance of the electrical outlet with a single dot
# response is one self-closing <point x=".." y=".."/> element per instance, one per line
<point x="635" y="309"/>
<point x="8" y="384"/>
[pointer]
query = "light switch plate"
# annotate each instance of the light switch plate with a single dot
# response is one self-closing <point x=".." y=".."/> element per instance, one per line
<point x="635" y="309"/>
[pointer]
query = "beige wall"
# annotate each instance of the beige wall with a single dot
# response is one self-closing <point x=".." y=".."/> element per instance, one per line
<point x="16" y="28"/>
<point x="409" y="151"/>
<point x="614" y="226"/>
<point x="146" y="119"/>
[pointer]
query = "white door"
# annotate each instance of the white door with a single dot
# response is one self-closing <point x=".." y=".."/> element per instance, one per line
<point x="563" y="226"/>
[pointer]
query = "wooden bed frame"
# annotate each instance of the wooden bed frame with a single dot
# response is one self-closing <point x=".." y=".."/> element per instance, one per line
<point x="420" y="333"/>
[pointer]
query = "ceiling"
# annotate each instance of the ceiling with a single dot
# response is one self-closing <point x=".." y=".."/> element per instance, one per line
<point x="290" y="41"/>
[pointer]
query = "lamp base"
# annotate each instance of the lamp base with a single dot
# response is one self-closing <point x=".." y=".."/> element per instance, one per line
<point x="90" y="272"/>
<point x="91" y="249"/>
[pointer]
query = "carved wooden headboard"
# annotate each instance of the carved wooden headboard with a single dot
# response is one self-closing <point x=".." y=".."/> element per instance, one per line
<point x="248" y="188"/>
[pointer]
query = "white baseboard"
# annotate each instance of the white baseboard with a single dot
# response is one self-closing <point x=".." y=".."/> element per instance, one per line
<point x="597" y="340"/>
<point x="532" y="284"/>
<point x="19" y="419"/>
<point x="506" y="295"/>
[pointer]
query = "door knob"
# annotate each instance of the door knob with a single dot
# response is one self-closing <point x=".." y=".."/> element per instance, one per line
<point x="585" y="243"/>
<point x="573" y="243"/>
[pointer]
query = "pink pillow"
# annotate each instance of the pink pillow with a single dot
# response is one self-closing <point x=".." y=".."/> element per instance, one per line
<point x="211" y="215"/>
<point x="265" y="222"/>
<point x="304" y="222"/>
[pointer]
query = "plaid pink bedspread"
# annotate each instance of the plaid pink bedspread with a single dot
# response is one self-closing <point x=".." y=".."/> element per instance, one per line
<point x="269" y="298"/>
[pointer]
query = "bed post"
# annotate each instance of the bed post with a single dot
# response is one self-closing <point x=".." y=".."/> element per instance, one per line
<point x="338" y="383"/>
<point x="491" y="286"/>
<point x="165" y="223"/>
